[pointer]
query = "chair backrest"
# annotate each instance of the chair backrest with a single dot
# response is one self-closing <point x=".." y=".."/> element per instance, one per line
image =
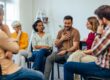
<point x="30" y="42"/>
<point x="83" y="45"/>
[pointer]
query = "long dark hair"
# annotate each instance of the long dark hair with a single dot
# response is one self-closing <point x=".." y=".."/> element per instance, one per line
<point x="35" y="24"/>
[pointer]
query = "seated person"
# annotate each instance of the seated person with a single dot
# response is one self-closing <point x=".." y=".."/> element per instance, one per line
<point x="78" y="56"/>
<point x="9" y="70"/>
<point x="22" y="39"/>
<point x="67" y="42"/>
<point x="101" y="67"/>
<point x="41" y="44"/>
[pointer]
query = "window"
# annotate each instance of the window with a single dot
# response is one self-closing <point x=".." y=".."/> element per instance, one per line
<point x="11" y="9"/>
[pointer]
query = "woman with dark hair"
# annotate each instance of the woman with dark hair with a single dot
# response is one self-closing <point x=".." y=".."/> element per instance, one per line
<point x="41" y="44"/>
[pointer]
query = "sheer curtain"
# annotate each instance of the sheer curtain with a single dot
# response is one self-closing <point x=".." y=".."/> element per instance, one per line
<point x="11" y="8"/>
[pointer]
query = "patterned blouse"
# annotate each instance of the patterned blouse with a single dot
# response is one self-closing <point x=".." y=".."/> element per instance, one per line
<point x="45" y="40"/>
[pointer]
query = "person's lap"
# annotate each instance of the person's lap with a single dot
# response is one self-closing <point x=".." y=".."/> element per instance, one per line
<point x="24" y="73"/>
<point x="87" y="69"/>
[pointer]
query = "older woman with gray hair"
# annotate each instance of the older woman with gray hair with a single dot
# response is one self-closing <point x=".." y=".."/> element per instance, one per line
<point x="22" y="39"/>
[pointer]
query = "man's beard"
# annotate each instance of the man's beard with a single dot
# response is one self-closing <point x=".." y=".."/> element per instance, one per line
<point x="67" y="28"/>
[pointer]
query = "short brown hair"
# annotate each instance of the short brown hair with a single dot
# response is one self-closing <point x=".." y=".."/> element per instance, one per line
<point x="103" y="11"/>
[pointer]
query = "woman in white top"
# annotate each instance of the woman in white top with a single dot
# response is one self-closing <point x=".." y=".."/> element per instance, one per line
<point x="41" y="44"/>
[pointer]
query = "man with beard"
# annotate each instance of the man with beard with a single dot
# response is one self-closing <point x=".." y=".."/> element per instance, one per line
<point x="101" y="67"/>
<point x="67" y="42"/>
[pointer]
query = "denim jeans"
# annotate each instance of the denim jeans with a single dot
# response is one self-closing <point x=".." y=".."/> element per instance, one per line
<point x="39" y="58"/>
<point x="24" y="74"/>
<point x="84" y="69"/>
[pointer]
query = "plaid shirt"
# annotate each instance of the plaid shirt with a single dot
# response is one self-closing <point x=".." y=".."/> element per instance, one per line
<point x="102" y="50"/>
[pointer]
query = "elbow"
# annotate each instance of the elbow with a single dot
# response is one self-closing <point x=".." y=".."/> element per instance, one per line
<point x="16" y="49"/>
<point x="57" y="45"/>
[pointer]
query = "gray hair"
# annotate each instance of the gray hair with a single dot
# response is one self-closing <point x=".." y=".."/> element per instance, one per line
<point x="16" y="24"/>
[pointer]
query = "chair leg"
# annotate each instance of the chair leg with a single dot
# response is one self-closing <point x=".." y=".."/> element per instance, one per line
<point x="52" y="73"/>
<point x="58" y="71"/>
<point x="29" y="65"/>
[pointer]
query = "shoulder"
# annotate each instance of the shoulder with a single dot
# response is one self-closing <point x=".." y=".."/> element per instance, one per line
<point x="60" y="31"/>
<point x="3" y="35"/>
<point x="75" y="30"/>
<point x="13" y="33"/>
<point x="47" y="34"/>
<point x="5" y="27"/>
<point x="25" y="33"/>
<point x="35" y="35"/>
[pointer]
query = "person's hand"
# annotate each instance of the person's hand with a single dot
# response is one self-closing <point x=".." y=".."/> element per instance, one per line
<point x="65" y="37"/>
<point x="56" y="41"/>
<point x="61" y="53"/>
<point x="12" y="40"/>
<point x="9" y="55"/>
<point x="45" y="47"/>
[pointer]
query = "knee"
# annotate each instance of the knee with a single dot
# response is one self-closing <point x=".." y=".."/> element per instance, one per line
<point x="50" y="58"/>
<point x="39" y="76"/>
<point x="67" y="65"/>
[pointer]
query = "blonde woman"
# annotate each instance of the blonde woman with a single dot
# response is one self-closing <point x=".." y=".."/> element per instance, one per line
<point x="79" y="56"/>
<point x="21" y="38"/>
<point x="92" y="24"/>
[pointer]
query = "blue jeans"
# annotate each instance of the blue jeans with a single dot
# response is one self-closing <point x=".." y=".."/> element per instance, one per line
<point x="24" y="74"/>
<point x="39" y="58"/>
<point x="84" y="69"/>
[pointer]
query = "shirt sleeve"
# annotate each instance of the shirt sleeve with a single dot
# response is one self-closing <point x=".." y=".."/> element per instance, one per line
<point x="76" y="36"/>
<point x="24" y="41"/>
<point x="34" y="42"/>
<point x="59" y="34"/>
<point x="102" y="44"/>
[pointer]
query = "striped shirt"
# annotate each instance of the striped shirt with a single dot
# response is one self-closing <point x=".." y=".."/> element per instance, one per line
<point x="102" y="50"/>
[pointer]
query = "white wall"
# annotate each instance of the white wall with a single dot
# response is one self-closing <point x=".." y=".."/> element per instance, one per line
<point x="56" y="10"/>
<point x="26" y="15"/>
<point x="79" y="9"/>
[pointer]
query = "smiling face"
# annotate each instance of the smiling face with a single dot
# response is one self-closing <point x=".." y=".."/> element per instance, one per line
<point x="67" y="24"/>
